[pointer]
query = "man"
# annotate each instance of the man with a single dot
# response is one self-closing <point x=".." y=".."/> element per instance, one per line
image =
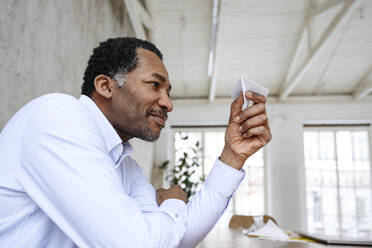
<point x="66" y="177"/>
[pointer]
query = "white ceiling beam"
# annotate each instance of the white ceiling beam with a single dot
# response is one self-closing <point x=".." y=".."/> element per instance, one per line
<point x="363" y="91"/>
<point x="138" y="17"/>
<point x="340" y="19"/>
<point x="308" y="24"/>
<point x="364" y="86"/>
<point x="144" y="16"/>
<point x="299" y="47"/>
<point x="325" y="6"/>
<point x="214" y="51"/>
<point x="297" y="53"/>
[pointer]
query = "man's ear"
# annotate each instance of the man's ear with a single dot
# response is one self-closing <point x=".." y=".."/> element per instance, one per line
<point x="104" y="86"/>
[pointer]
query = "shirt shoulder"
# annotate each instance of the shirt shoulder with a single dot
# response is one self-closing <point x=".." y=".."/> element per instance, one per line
<point x="55" y="107"/>
<point x="61" y="117"/>
<point x="60" y="101"/>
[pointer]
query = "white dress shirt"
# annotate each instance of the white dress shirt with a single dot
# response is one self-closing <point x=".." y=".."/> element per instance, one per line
<point x="67" y="180"/>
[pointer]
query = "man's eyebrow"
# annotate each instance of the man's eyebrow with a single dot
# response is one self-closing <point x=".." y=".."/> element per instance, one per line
<point x="161" y="78"/>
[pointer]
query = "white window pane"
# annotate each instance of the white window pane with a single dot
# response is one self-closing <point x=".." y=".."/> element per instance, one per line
<point x="344" y="146"/>
<point x="326" y="146"/>
<point x="346" y="178"/>
<point x="349" y="168"/>
<point x="315" y="204"/>
<point x="347" y="198"/>
<point x="345" y="164"/>
<point x="349" y="227"/>
<point x="313" y="177"/>
<point x="363" y="209"/>
<point x="330" y="201"/>
<point x="332" y="226"/>
<point x="255" y="160"/>
<point x="327" y="164"/>
<point x="311" y="141"/>
<point x="313" y="164"/>
<point x="362" y="178"/>
<point x="360" y="145"/>
<point x="214" y="144"/>
<point x="329" y="178"/>
<point x="362" y="165"/>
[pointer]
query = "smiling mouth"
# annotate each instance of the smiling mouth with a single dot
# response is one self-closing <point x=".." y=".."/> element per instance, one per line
<point x="160" y="120"/>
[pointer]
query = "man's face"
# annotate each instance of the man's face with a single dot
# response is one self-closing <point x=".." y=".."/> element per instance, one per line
<point x="139" y="108"/>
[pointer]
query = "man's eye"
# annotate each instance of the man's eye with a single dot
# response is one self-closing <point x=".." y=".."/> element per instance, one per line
<point x="155" y="84"/>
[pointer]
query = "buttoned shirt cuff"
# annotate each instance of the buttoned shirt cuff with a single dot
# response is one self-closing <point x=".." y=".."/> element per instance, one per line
<point x="224" y="179"/>
<point x="176" y="209"/>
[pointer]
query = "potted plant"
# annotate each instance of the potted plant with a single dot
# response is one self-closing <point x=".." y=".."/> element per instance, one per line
<point x="184" y="171"/>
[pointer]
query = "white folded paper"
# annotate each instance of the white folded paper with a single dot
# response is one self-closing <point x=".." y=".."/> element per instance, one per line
<point x="245" y="84"/>
<point x="270" y="230"/>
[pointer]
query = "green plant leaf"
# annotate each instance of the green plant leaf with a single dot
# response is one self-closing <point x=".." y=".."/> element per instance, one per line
<point x="164" y="165"/>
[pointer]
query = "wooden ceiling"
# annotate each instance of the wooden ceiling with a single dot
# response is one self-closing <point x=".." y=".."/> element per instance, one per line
<point x="296" y="48"/>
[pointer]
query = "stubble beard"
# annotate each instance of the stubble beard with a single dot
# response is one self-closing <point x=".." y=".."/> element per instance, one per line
<point x="147" y="134"/>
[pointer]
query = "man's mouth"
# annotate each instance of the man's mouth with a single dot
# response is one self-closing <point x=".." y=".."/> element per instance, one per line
<point x="159" y="117"/>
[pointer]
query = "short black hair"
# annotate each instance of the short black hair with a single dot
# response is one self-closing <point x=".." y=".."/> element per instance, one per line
<point x="112" y="57"/>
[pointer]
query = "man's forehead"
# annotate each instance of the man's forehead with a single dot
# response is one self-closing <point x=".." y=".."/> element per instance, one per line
<point x="148" y="56"/>
<point x="149" y="59"/>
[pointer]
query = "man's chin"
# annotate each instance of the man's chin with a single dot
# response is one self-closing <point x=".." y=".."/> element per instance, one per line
<point x="149" y="135"/>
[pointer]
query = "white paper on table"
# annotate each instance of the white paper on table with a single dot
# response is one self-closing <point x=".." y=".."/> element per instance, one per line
<point x="270" y="230"/>
<point x="245" y="84"/>
<point x="258" y="222"/>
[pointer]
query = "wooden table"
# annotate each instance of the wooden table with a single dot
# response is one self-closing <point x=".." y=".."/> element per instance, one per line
<point x="230" y="238"/>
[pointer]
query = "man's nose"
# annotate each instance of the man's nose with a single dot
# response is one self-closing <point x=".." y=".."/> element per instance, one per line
<point x="166" y="102"/>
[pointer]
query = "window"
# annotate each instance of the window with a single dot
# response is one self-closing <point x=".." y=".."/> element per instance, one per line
<point x="249" y="198"/>
<point x="338" y="180"/>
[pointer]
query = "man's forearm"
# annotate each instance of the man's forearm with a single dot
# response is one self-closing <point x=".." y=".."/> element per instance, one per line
<point x="206" y="206"/>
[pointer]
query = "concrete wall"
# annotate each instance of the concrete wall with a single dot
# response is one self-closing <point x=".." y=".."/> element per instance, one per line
<point x="284" y="157"/>
<point x="45" y="46"/>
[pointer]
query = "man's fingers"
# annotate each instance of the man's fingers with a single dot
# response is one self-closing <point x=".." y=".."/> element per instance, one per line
<point x="256" y="98"/>
<point x="161" y="189"/>
<point x="236" y="107"/>
<point x="260" y="131"/>
<point x="177" y="186"/>
<point x="238" y="116"/>
<point x="255" y="121"/>
<point x="254" y="110"/>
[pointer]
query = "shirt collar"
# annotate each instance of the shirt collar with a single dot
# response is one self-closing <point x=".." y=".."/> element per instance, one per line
<point x="111" y="137"/>
<point x="120" y="152"/>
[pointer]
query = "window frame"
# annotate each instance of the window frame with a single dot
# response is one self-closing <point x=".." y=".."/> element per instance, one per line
<point x="334" y="129"/>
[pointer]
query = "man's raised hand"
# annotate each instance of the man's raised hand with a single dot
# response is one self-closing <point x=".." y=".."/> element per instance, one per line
<point x="247" y="131"/>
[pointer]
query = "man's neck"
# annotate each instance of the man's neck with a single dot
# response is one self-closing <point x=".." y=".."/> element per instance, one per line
<point x="124" y="138"/>
<point x="100" y="102"/>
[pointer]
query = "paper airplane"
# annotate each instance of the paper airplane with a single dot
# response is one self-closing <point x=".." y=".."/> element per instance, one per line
<point x="245" y="84"/>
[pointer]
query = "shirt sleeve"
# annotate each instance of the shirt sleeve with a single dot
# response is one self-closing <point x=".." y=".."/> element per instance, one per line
<point x="204" y="208"/>
<point x="66" y="170"/>
<point x="207" y="205"/>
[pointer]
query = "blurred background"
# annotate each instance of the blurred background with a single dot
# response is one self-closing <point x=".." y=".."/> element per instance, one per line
<point x="315" y="56"/>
